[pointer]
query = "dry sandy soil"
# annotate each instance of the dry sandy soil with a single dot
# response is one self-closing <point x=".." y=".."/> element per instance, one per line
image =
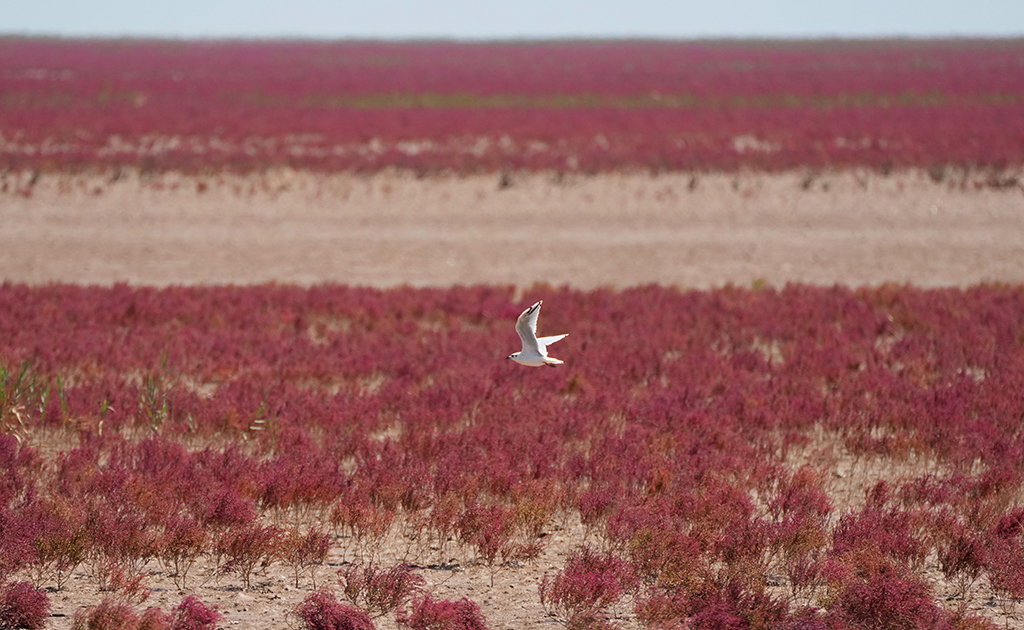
<point x="392" y="229"/>
<point x="612" y="230"/>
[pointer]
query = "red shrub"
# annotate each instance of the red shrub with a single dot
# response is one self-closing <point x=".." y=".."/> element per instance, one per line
<point x="961" y="553"/>
<point x="430" y="614"/>
<point x="657" y="609"/>
<point x="306" y="551"/>
<point x="107" y="615"/>
<point x="489" y="530"/>
<point x="802" y="495"/>
<point x="321" y="611"/>
<point x="1010" y="524"/>
<point x="379" y="591"/>
<point x="589" y="584"/>
<point x="240" y="551"/>
<point x="367" y="524"/>
<point x="183" y="541"/>
<point x="596" y="506"/>
<point x="891" y="531"/>
<point x="61" y="542"/>
<point x="16" y="548"/>
<point x="1004" y="565"/>
<point x="192" y="614"/>
<point x="154" y="619"/>
<point x="225" y="507"/>
<point x="886" y="600"/>
<point x="23" y="606"/>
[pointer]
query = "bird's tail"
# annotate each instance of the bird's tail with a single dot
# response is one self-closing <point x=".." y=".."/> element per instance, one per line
<point x="552" y="361"/>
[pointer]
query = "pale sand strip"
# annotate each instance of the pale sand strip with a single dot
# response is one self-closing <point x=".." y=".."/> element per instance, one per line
<point x="610" y="230"/>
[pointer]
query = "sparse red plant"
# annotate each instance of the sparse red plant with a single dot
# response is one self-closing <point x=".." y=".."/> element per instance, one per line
<point x="805" y="575"/>
<point x="668" y="559"/>
<point x="129" y="586"/>
<point x="120" y="544"/>
<point x="490" y="531"/>
<point x="366" y="524"/>
<point x="801" y="496"/>
<point x="431" y="614"/>
<point x="1004" y="555"/>
<point x="62" y="542"/>
<point x="961" y="553"/>
<point x="595" y="506"/>
<point x="732" y="606"/>
<point x="1004" y="566"/>
<point x="443" y="519"/>
<point x="225" y="507"/>
<point x="321" y="611"/>
<point x="379" y="591"/>
<point x="242" y="550"/>
<point x="962" y="620"/>
<point x="183" y="541"/>
<point x="306" y="552"/>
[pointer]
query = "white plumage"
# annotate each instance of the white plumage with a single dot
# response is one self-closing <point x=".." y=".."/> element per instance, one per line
<point x="535" y="350"/>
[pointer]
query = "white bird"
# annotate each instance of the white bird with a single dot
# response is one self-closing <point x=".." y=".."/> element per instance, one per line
<point x="535" y="351"/>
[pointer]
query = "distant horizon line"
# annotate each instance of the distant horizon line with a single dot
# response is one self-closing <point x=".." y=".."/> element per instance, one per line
<point x="524" y="39"/>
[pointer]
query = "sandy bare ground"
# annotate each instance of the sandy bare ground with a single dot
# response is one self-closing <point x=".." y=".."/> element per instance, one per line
<point x="612" y="230"/>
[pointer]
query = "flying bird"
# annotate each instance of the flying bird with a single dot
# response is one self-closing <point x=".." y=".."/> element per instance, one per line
<point x="535" y="351"/>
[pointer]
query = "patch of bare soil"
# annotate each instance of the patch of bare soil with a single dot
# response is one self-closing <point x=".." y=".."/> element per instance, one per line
<point x="612" y="230"/>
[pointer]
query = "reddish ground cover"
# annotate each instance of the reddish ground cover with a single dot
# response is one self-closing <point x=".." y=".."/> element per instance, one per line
<point x="566" y="106"/>
<point x="707" y="445"/>
<point x="278" y="456"/>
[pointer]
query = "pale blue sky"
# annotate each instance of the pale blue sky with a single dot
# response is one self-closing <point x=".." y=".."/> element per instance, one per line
<point x="481" y="19"/>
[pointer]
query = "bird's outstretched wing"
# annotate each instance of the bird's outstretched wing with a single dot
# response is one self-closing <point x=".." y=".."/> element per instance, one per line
<point x="526" y="326"/>
<point x="544" y="342"/>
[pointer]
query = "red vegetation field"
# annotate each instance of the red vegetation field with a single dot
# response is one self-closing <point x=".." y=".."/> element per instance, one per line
<point x="334" y="457"/>
<point x="801" y="457"/>
<point x="565" y="106"/>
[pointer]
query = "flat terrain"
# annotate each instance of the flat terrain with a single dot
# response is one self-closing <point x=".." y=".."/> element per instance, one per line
<point x="391" y="229"/>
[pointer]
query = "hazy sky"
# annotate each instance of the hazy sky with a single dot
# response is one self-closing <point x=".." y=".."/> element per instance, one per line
<point x="475" y="19"/>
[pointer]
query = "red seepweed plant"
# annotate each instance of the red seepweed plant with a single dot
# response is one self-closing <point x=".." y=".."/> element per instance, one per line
<point x="23" y="606"/>
<point x="321" y="611"/>
<point x="305" y="552"/>
<point x="428" y="613"/>
<point x="243" y="550"/>
<point x="587" y="587"/>
<point x="377" y="590"/>
<point x="193" y="614"/>
<point x="190" y="614"/>
<point x="184" y="540"/>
